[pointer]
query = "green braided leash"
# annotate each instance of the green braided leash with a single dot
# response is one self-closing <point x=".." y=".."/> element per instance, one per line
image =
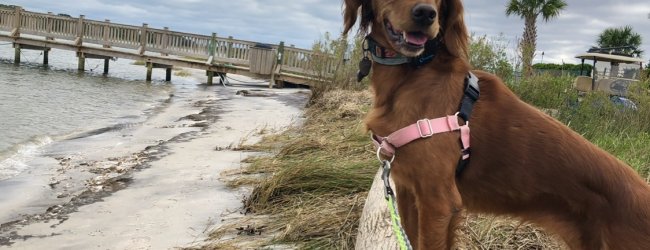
<point x="402" y="239"/>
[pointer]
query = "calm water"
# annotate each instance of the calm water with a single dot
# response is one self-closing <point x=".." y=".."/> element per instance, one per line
<point x="41" y="105"/>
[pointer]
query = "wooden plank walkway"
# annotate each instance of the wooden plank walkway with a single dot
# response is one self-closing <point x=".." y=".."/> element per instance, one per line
<point x="162" y="48"/>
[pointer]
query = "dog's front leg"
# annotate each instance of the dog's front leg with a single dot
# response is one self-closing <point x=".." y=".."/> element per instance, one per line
<point x="439" y="209"/>
<point x="408" y="211"/>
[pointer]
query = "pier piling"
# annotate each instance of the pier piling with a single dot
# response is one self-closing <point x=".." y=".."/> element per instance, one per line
<point x="46" y="57"/>
<point x="82" y="62"/>
<point x="106" y="64"/>
<point x="210" y="77"/>
<point x="149" y="71"/>
<point x="17" y="55"/>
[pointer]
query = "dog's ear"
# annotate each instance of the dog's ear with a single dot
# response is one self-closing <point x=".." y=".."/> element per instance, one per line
<point x="454" y="31"/>
<point x="351" y="13"/>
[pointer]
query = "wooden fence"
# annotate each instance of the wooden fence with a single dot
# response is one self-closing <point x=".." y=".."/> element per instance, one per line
<point x="146" y="40"/>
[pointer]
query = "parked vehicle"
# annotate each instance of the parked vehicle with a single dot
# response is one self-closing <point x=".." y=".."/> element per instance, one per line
<point x="612" y="73"/>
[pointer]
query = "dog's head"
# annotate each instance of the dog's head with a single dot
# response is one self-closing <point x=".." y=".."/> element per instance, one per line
<point x="406" y="25"/>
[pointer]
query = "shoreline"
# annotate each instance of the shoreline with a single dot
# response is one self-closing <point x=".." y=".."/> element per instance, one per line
<point x="166" y="195"/>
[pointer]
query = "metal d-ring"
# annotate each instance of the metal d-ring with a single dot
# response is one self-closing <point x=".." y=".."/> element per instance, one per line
<point x="456" y="115"/>
<point x="381" y="159"/>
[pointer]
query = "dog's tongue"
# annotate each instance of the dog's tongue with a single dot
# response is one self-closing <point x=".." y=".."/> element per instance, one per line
<point x="415" y="38"/>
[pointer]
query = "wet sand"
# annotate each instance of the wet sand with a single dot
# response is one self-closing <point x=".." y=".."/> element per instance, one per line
<point x="154" y="185"/>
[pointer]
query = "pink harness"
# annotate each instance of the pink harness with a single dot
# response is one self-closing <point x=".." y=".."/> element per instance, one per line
<point x="422" y="129"/>
<point x="426" y="128"/>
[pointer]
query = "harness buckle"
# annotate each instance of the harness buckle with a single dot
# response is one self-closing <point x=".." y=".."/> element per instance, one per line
<point x="428" y="123"/>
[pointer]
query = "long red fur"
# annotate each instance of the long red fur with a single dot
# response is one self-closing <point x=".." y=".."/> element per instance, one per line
<point x="524" y="163"/>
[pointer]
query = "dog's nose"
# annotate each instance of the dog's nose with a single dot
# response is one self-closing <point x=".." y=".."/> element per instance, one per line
<point x="423" y="14"/>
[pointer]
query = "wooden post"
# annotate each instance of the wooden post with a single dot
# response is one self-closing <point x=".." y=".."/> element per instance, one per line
<point x="48" y="24"/>
<point x="375" y="228"/>
<point x="106" y="64"/>
<point x="16" y="30"/>
<point x="229" y="51"/>
<point x="280" y="53"/>
<point x="168" y="74"/>
<point x="80" y="31"/>
<point x="46" y="56"/>
<point x="149" y="71"/>
<point x="17" y="53"/>
<point x="107" y="33"/>
<point x="213" y="44"/>
<point x="143" y="38"/>
<point x="278" y="65"/>
<point x="82" y="61"/>
<point x="210" y="77"/>
<point x="212" y="48"/>
<point x="165" y="41"/>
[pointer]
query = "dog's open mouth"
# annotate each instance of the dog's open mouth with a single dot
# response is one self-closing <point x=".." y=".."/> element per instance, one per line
<point x="408" y="43"/>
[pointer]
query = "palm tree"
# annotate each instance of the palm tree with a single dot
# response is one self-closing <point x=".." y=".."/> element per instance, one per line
<point x="621" y="37"/>
<point x="530" y="10"/>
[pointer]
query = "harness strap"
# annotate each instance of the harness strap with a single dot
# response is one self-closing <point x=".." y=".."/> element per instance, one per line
<point x="428" y="127"/>
<point x="472" y="93"/>
<point x="421" y="129"/>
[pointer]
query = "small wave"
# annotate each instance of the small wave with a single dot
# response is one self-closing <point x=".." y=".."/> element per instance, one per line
<point x="13" y="161"/>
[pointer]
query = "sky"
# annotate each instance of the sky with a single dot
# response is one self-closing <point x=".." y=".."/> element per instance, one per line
<point x="301" y="22"/>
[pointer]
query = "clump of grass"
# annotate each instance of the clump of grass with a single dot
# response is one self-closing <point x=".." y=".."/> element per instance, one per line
<point x="319" y="178"/>
<point x="315" y="185"/>
<point x="489" y="232"/>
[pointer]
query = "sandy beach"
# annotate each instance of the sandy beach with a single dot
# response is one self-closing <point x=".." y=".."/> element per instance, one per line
<point x="152" y="185"/>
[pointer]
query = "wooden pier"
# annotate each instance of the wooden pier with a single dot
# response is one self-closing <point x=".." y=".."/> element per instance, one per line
<point x="162" y="48"/>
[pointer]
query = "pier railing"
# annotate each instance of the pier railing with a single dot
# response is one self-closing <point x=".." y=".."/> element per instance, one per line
<point x="144" y="39"/>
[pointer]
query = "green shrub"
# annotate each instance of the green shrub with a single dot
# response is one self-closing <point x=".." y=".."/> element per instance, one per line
<point x="563" y="69"/>
<point x="570" y="67"/>
<point x="490" y="55"/>
<point x="4" y="6"/>
<point x="345" y="57"/>
<point x="545" y="91"/>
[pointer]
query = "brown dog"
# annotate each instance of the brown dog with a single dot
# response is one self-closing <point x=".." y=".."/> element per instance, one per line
<point x="523" y="162"/>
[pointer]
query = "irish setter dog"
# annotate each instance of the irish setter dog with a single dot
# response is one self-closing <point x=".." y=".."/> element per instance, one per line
<point x="523" y="162"/>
